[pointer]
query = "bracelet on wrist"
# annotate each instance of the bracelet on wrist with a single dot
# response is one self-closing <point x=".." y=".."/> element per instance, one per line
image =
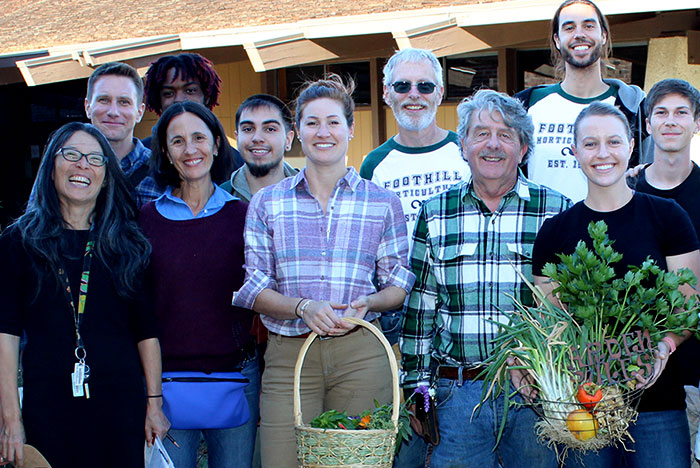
<point x="303" y="308"/>
<point x="671" y="344"/>
<point x="296" y="308"/>
<point x="155" y="396"/>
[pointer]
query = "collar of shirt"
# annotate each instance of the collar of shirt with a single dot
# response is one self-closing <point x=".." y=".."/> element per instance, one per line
<point x="175" y="208"/>
<point x="521" y="189"/>
<point x="351" y="179"/>
<point x="135" y="158"/>
<point x="239" y="182"/>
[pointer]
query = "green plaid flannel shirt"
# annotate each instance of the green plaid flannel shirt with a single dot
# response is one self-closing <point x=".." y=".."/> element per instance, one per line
<point x="464" y="258"/>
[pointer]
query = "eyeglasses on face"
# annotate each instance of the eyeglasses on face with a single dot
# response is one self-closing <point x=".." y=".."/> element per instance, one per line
<point x="73" y="155"/>
<point x="423" y="87"/>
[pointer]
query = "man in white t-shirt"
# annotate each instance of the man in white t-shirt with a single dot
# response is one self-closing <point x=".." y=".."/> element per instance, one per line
<point x="580" y="41"/>
<point x="422" y="159"/>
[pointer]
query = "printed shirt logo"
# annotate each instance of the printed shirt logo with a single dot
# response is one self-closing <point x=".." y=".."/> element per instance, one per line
<point x="413" y="190"/>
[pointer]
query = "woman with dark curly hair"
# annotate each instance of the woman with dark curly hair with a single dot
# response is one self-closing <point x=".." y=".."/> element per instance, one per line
<point x="71" y="276"/>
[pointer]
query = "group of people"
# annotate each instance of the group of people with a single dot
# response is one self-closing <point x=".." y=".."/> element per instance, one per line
<point x="185" y="256"/>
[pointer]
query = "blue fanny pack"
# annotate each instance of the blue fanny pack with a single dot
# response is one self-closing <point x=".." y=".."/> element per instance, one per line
<point x="196" y="400"/>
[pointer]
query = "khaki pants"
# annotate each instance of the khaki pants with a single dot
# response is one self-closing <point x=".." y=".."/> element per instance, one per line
<point x="346" y="374"/>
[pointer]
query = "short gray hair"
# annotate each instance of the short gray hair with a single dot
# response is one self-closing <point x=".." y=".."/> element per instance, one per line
<point x="511" y="109"/>
<point x="412" y="55"/>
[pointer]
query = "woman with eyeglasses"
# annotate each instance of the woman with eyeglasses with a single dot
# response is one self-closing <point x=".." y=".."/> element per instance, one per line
<point x="71" y="277"/>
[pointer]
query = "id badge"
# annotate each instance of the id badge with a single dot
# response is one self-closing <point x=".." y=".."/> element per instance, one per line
<point x="78" y="378"/>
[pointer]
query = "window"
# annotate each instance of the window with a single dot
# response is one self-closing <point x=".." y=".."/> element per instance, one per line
<point x="358" y="71"/>
<point x="466" y="75"/>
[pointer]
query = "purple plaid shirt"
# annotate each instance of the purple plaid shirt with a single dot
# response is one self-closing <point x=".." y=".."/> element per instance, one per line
<point x="296" y="249"/>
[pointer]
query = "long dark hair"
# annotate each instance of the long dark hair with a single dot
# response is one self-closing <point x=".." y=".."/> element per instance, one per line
<point x="119" y="242"/>
<point x="164" y="172"/>
<point x="556" y="55"/>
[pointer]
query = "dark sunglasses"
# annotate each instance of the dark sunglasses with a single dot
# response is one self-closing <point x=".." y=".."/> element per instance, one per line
<point x="423" y="87"/>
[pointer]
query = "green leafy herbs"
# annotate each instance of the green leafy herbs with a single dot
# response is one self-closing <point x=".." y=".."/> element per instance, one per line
<point x="377" y="418"/>
<point x="542" y="341"/>
<point x="647" y="297"/>
<point x="333" y="419"/>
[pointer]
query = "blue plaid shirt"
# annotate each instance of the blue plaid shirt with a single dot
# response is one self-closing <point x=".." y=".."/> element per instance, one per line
<point x="147" y="189"/>
<point x="135" y="158"/>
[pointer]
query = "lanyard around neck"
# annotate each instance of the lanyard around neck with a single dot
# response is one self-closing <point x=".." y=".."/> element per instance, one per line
<point x="82" y="294"/>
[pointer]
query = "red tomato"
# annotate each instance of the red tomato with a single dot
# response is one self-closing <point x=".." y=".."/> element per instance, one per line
<point x="589" y="394"/>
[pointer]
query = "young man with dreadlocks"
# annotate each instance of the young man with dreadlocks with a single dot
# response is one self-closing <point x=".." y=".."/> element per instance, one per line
<point x="178" y="78"/>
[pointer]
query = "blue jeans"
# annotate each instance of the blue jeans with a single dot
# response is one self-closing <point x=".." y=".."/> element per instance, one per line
<point x="662" y="440"/>
<point x="391" y="325"/>
<point x="226" y="448"/>
<point x="412" y="453"/>
<point x="466" y="442"/>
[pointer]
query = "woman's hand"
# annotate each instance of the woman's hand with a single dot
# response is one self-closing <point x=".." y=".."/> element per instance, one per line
<point x="321" y="318"/>
<point x="12" y="443"/>
<point x="11" y="428"/>
<point x="359" y="308"/>
<point x="157" y="424"/>
<point x="661" y="355"/>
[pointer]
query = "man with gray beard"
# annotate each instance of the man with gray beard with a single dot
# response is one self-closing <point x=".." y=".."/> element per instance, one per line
<point x="421" y="161"/>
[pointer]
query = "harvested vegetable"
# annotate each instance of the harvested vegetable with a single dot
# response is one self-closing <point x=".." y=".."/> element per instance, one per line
<point x="589" y="395"/>
<point x="582" y="424"/>
<point x="603" y="330"/>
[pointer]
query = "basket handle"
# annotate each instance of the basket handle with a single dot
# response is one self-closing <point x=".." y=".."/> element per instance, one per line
<point x="392" y="364"/>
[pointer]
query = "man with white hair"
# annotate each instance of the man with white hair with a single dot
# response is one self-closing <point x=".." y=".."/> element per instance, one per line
<point x="468" y="243"/>
<point x="422" y="159"/>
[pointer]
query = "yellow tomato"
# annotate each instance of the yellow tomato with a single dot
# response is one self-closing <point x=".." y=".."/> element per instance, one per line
<point x="582" y="424"/>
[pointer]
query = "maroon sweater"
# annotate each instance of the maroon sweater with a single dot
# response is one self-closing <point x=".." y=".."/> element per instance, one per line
<point x="196" y="265"/>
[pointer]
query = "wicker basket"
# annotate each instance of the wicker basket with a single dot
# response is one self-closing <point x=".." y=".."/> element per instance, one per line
<point x="322" y="448"/>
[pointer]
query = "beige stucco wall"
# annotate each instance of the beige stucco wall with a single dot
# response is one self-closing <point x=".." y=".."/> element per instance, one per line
<point x="668" y="58"/>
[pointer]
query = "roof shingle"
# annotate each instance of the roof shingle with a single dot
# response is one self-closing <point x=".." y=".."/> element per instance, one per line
<point x="39" y="24"/>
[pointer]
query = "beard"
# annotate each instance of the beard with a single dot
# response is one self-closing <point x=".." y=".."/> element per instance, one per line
<point x="261" y="170"/>
<point x="414" y="124"/>
<point x="596" y="53"/>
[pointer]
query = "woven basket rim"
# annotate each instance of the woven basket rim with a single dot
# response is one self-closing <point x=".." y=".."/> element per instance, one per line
<point x="345" y="431"/>
<point x="392" y="364"/>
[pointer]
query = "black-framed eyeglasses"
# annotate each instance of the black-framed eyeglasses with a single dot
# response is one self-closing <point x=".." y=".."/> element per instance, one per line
<point x="423" y="87"/>
<point x="73" y="155"/>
